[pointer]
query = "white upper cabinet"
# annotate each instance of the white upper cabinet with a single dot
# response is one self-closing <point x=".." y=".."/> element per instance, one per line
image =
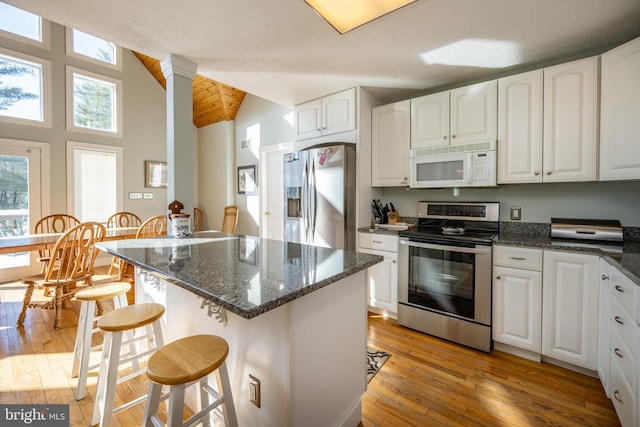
<point x="570" y="121"/>
<point x="390" y="144"/>
<point x="520" y="128"/>
<point x="459" y="116"/>
<point x="619" y="113"/>
<point x="325" y="116"/>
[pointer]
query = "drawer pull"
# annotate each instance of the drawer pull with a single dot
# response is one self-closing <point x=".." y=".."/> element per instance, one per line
<point x="605" y="277"/>
<point x="619" y="289"/>
<point x="377" y="241"/>
<point x="498" y="277"/>
<point x="616" y="394"/>
<point x="518" y="258"/>
<point x="619" y="320"/>
<point x="618" y="353"/>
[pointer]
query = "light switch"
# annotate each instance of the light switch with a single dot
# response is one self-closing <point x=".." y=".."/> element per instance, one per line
<point x="134" y="196"/>
<point x="147" y="195"/>
<point x="516" y="213"/>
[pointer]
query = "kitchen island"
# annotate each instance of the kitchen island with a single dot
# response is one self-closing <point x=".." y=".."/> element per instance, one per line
<point x="294" y="317"/>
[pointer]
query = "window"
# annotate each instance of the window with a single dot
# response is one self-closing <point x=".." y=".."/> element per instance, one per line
<point x="24" y="88"/>
<point x="94" y="180"/>
<point x="24" y="26"/>
<point x="92" y="48"/>
<point x="94" y="102"/>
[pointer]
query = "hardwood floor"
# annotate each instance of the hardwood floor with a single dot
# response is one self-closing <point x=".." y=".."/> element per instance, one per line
<point x="429" y="381"/>
<point x="426" y="381"/>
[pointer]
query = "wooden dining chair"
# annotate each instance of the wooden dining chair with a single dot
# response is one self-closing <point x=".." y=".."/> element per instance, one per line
<point x="152" y="227"/>
<point x="56" y="223"/>
<point x="120" y="270"/>
<point x="72" y="261"/>
<point x="230" y="219"/>
<point x="197" y="219"/>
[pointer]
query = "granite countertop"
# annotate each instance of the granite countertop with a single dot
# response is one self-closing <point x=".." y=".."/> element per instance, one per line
<point x="244" y="274"/>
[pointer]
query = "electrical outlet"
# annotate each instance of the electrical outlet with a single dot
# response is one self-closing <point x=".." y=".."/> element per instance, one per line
<point x="516" y="213"/>
<point x="254" y="390"/>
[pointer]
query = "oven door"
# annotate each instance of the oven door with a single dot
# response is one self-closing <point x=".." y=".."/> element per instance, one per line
<point x="451" y="279"/>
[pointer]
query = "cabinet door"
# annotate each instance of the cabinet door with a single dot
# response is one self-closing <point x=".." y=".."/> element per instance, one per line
<point x="603" y="324"/>
<point x="382" y="281"/>
<point x="390" y="144"/>
<point x="430" y="121"/>
<point x="520" y="128"/>
<point x="308" y="119"/>
<point x="474" y="113"/>
<point x="570" y="308"/>
<point x="570" y="121"/>
<point x="619" y="124"/>
<point x="517" y="307"/>
<point x="339" y="112"/>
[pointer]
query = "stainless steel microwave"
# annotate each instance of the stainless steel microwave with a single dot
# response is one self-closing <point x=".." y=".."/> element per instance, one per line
<point x="470" y="165"/>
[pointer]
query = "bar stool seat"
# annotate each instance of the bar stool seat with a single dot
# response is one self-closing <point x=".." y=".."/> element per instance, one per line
<point x="182" y="363"/>
<point x="114" y="324"/>
<point x="89" y="296"/>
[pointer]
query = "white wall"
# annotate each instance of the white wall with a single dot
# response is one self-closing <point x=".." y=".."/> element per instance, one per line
<point x="265" y="123"/>
<point x="144" y="123"/>
<point x="216" y="168"/>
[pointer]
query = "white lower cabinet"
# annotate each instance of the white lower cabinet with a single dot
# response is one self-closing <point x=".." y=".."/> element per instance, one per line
<point x="382" y="278"/>
<point x="604" y="302"/>
<point x="623" y="355"/>
<point x="570" y="307"/>
<point x="517" y="297"/>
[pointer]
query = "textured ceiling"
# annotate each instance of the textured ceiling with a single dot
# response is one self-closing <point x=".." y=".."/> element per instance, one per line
<point x="212" y="101"/>
<point x="281" y="50"/>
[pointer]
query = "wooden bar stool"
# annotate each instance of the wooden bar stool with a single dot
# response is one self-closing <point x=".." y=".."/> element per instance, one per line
<point x="117" y="291"/>
<point x="115" y="324"/>
<point x="185" y="362"/>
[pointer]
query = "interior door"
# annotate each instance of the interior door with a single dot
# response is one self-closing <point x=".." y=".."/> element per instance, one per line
<point x="272" y="218"/>
<point x="20" y="204"/>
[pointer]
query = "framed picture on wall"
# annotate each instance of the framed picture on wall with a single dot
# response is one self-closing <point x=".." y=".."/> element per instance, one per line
<point x="247" y="180"/>
<point x="155" y="174"/>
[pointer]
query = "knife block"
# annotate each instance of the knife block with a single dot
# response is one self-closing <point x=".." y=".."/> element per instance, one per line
<point x="393" y="217"/>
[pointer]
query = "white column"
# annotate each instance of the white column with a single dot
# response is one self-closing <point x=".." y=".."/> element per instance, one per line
<point x="181" y="145"/>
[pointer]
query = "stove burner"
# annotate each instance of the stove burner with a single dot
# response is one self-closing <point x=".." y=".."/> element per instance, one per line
<point x="453" y="231"/>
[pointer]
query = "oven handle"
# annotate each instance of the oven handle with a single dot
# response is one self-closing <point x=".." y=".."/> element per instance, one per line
<point x="476" y="250"/>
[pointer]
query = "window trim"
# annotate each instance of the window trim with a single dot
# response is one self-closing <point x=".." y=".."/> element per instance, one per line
<point x="70" y="72"/>
<point x="72" y="53"/>
<point x="71" y="147"/>
<point x="45" y="32"/>
<point x="45" y="90"/>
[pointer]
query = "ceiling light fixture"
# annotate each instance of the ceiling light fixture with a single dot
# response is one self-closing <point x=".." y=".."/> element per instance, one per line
<point x="345" y="15"/>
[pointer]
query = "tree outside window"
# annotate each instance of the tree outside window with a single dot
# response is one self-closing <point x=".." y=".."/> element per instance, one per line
<point x="21" y="84"/>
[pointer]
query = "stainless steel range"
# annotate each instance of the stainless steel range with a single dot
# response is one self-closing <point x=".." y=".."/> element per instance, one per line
<point x="444" y="278"/>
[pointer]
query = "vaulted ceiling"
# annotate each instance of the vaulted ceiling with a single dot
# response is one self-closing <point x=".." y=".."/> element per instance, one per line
<point x="212" y="101"/>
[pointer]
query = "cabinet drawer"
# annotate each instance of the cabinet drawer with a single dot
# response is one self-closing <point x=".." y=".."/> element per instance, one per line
<point x="623" y="324"/>
<point x="622" y="354"/>
<point x="622" y="397"/>
<point x="524" y="258"/>
<point x="623" y="291"/>
<point x="379" y="242"/>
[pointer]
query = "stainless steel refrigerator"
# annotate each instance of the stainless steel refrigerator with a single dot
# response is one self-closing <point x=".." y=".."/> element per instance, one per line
<point x="319" y="196"/>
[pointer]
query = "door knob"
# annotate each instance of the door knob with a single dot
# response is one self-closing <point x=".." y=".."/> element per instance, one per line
<point x="267" y="213"/>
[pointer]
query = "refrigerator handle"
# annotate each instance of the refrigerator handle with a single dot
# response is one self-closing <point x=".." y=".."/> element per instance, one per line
<point x="304" y="198"/>
<point x="312" y="202"/>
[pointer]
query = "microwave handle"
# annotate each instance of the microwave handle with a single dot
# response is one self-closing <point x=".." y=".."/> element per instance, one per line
<point x="469" y="168"/>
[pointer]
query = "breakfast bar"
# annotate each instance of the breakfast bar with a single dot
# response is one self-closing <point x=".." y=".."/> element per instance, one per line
<point x="295" y="318"/>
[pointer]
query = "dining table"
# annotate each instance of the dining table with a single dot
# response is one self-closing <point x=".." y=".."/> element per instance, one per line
<point x="36" y="242"/>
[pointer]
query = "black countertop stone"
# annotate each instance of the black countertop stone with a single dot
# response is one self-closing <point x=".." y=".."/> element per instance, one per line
<point x="243" y="274"/>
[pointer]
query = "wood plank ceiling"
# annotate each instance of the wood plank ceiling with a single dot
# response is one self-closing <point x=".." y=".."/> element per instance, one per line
<point x="212" y="101"/>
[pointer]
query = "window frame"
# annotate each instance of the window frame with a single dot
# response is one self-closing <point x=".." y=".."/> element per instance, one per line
<point x="45" y="31"/>
<point x="71" y="167"/>
<point x="118" y="116"/>
<point x="45" y="90"/>
<point x="72" y="53"/>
